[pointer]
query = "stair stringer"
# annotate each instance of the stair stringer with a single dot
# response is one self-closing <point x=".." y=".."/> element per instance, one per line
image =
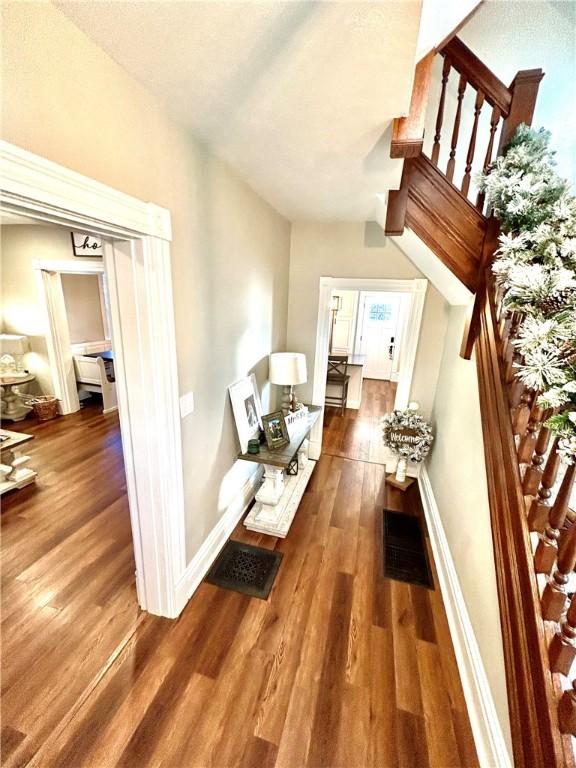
<point x="441" y="216"/>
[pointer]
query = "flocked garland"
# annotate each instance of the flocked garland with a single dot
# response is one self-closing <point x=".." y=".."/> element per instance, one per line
<point x="394" y="422"/>
<point x="536" y="267"/>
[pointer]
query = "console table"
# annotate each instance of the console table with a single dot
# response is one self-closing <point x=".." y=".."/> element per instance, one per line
<point x="278" y="498"/>
<point x="13" y="470"/>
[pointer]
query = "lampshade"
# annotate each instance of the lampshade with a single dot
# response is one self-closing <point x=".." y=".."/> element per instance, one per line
<point x="13" y="345"/>
<point x="287" y="368"/>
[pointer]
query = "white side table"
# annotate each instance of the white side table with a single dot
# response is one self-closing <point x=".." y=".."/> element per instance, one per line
<point x="13" y="470"/>
<point x="278" y="498"/>
<point x="13" y="408"/>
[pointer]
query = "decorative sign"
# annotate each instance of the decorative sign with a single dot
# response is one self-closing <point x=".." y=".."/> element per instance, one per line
<point x="86" y="245"/>
<point x="405" y="436"/>
<point x="408" y="434"/>
<point x="294" y="419"/>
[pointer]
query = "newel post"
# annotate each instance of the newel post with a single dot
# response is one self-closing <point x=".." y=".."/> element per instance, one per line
<point x="524" y="90"/>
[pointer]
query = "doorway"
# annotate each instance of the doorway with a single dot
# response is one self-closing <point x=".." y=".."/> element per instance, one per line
<point x="76" y="296"/>
<point x="412" y="307"/>
<point x="136" y="255"/>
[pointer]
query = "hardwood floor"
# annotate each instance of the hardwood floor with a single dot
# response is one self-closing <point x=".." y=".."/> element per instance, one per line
<point x="339" y="667"/>
<point x="68" y="594"/>
<point x="357" y="434"/>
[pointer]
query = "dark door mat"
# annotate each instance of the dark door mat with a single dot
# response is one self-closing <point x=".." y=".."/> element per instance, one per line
<point x="244" y="568"/>
<point x="405" y="556"/>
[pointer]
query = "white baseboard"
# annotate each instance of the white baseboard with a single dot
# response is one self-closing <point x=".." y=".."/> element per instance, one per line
<point x="488" y="737"/>
<point x="200" y="564"/>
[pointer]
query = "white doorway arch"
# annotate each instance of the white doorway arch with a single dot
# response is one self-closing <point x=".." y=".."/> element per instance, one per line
<point x="411" y="333"/>
<point x="137" y="265"/>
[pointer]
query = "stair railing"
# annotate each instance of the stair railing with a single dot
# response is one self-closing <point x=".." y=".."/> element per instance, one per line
<point x="532" y="495"/>
<point x="510" y="106"/>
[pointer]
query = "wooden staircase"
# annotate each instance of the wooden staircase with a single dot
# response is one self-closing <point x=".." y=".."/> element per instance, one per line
<point x="429" y="201"/>
<point x="529" y="492"/>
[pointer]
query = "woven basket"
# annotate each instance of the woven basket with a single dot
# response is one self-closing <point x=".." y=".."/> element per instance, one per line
<point x="45" y="407"/>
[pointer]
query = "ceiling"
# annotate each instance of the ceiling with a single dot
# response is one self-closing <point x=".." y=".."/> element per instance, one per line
<point x="297" y="96"/>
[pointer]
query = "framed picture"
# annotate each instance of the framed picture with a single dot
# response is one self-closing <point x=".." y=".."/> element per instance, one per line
<point x="247" y="409"/>
<point x="87" y="245"/>
<point x="275" y="430"/>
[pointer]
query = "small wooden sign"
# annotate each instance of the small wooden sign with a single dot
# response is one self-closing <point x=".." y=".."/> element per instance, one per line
<point x="405" y="436"/>
<point x="87" y="245"/>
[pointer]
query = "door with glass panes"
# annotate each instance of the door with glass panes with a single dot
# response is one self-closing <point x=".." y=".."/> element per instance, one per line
<point x="377" y="333"/>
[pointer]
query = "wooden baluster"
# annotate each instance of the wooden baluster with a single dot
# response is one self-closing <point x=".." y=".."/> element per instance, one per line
<point x="527" y="444"/>
<point x="562" y="649"/>
<point x="567" y="711"/>
<point x="515" y="392"/>
<point x="555" y="594"/>
<point x="547" y="549"/>
<point x="509" y="354"/>
<point x="533" y="474"/>
<point x="452" y="161"/>
<point x="472" y="146"/>
<point x="501" y="311"/>
<point x="540" y="507"/>
<point x="521" y="414"/>
<point x="504" y="326"/>
<point x="494" y="120"/>
<point x="440" y="115"/>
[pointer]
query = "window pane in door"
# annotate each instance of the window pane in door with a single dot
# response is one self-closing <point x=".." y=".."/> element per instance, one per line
<point x="380" y="312"/>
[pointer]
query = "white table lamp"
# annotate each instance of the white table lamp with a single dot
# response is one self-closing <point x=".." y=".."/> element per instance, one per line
<point x="12" y="351"/>
<point x="288" y="369"/>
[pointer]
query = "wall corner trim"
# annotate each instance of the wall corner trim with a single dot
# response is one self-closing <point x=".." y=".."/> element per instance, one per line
<point x="488" y="737"/>
<point x="200" y="564"/>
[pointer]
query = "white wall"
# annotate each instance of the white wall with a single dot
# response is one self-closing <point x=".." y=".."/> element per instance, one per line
<point x="458" y="476"/>
<point x="508" y="37"/>
<point x="355" y="250"/>
<point x="83" y="307"/>
<point x="65" y="99"/>
<point x="22" y="310"/>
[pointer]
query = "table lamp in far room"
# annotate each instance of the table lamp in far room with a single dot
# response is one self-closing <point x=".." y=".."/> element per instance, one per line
<point x="288" y="369"/>
<point x="12" y="350"/>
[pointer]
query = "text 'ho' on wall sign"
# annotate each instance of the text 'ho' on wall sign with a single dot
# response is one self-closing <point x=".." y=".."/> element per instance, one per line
<point x="86" y="245"/>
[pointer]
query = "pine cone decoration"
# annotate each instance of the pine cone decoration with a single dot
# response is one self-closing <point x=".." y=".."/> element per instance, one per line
<point x="558" y="301"/>
<point x="568" y="353"/>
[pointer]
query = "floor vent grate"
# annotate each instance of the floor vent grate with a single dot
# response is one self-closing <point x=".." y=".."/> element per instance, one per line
<point x="405" y="557"/>
<point x="244" y="568"/>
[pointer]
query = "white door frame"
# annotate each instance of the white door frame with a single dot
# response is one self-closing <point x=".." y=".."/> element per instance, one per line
<point x="417" y="290"/>
<point x="137" y="264"/>
<point x="48" y="279"/>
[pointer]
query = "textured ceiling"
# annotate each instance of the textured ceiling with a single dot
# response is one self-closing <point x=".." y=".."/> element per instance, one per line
<point x="297" y="96"/>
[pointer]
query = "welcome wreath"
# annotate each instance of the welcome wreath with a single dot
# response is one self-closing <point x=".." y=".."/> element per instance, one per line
<point x="408" y="434"/>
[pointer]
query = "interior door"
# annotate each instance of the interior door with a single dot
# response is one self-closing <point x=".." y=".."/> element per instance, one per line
<point x="378" y="332"/>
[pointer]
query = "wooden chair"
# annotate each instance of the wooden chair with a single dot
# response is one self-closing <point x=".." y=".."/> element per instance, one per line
<point x="92" y="376"/>
<point x="337" y="376"/>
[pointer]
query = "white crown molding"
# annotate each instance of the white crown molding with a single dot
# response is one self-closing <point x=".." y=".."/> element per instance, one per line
<point x="56" y="190"/>
<point x="488" y="736"/>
